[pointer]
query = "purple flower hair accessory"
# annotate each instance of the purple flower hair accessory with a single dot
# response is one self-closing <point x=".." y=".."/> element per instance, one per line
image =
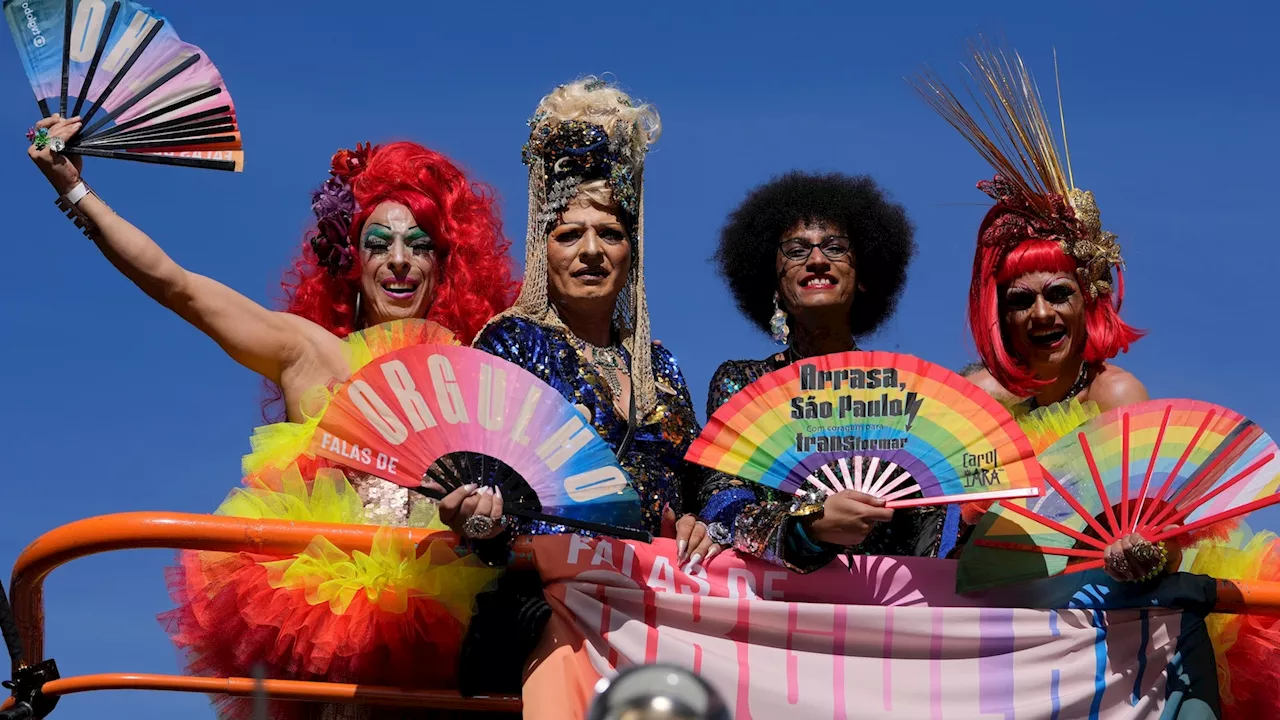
<point x="334" y="206"/>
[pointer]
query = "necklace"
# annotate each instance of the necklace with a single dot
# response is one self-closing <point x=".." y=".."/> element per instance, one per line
<point x="609" y="361"/>
<point x="1079" y="386"/>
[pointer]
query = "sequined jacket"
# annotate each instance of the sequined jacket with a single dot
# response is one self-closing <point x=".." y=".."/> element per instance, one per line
<point x="655" y="461"/>
<point x="760" y="519"/>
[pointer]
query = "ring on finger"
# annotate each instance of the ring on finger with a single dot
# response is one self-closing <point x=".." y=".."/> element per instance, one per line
<point x="719" y="534"/>
<point x="478" y="527"/>
<point x="1118" y="564"/>
<point x="1150" y="553"/>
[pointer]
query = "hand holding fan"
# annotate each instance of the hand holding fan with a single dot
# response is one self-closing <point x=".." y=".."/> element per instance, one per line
<point x="1161" y="469"/>
<point x="888" y="425"/>
<point x="455" y="415"/>
<point x="141" y="92"/>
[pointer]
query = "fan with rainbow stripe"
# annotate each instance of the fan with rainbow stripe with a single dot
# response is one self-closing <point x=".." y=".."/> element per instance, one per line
<point x="142" y="93"/>
<point x="1160" y="469"/>
<point x="885" y="424"/>
<point x="453" y="415"/>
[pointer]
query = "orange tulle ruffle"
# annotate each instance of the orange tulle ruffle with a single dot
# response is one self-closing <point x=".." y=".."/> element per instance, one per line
<point x="394" y="615"/>
<point x="1247" y="646"/>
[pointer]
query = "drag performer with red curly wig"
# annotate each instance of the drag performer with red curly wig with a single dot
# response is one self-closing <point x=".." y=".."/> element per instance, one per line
<point x="401" y="233"/>
<point x="405" y="249"/>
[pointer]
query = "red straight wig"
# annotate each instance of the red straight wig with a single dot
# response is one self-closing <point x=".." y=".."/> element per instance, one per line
<point x="474" y="271"/>
<point x="994" y="267"/>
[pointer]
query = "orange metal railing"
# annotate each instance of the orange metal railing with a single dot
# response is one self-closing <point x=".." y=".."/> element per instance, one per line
<point x="221" y="534"/>
<point x="276" y="537"/>
<point x="280" y="690"/>
<point x="1261" y="598"/>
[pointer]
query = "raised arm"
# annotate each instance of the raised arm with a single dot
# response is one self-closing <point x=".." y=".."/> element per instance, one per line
<point x="266" y="342"/>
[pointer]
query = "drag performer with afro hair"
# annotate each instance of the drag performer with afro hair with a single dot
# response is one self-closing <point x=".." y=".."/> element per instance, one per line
<point x="816" y="261"/>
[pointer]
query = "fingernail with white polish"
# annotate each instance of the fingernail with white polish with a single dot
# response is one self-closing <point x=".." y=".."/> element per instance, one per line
<point x="497" y="491"/>
<point x="470" y="487"/>
<point x="680" y="548"/>
<point x="697" y="558"/>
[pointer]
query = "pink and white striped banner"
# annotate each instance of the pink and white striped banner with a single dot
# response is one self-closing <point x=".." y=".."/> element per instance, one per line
<point x="884" y="638"/>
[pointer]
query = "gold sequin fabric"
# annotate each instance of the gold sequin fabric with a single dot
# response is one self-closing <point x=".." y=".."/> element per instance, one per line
<point x="758" y="515"/>
<point x="655" y="460"/>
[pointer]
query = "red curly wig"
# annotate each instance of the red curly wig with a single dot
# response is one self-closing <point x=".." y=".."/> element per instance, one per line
<point x="475" y="279"/>
<point x="998" y="262"/>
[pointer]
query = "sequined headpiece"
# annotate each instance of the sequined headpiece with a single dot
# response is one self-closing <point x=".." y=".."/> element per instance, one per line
<point x="576" y="152"/>
<point x="562" y="155"/>
<point x="1035" y="195"/>
<point x="334" y="205"/>
<point x="1072" y="221"/>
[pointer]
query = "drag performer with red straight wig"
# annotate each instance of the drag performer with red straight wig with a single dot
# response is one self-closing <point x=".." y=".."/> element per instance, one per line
<point x="1047" y="283"/>
<point x="1045" y="322"/>
<point x="1044" y="309"/>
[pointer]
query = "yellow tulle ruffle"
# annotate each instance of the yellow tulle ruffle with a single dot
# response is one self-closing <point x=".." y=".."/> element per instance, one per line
<point x="391" y="573"/>
<point x="369" y="344"/>
<point x="277" y="445"/>
<point x="1046" y="425"/>
<point x="328" y="498"/>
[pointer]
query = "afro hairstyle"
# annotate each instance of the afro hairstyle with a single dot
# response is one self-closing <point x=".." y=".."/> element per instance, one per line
<point x="882" y="237"/>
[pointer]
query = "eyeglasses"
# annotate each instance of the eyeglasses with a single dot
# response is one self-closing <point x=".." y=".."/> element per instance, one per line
<point x="834" y="247"/>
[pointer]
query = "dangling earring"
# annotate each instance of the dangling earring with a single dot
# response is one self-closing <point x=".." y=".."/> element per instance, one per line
<point x="357" y="322"/>
<point x="778" y="329"/>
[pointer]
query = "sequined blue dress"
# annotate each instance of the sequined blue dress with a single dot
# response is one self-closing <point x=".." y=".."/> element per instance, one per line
<point x="510" y="618"/>
<point x="655" y="460"/>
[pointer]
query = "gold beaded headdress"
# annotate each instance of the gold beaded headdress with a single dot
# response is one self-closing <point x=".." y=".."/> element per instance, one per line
<point x="1035" y="193"/>
<point x="562" y="155"/>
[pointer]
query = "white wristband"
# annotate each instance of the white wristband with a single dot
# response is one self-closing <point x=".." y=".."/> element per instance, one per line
<point x="77" y="193"/>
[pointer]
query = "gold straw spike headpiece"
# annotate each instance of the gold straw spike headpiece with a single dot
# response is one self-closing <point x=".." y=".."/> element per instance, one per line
<point x="1034" y="183"/>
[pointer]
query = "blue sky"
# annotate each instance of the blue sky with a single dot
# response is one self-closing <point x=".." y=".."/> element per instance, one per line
<point x="1172" y="115"/>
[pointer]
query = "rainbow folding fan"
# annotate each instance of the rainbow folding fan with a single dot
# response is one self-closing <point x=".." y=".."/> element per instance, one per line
<point x="456" y="415"/>
<point x="1161" y="468"/>
<point x="884" y="424"/>
<point x="141" y="92"/>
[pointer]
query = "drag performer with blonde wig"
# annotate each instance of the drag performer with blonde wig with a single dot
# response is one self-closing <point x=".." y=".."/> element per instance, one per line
<point x="401" y="237"/>
<point x="581" y="324"/>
